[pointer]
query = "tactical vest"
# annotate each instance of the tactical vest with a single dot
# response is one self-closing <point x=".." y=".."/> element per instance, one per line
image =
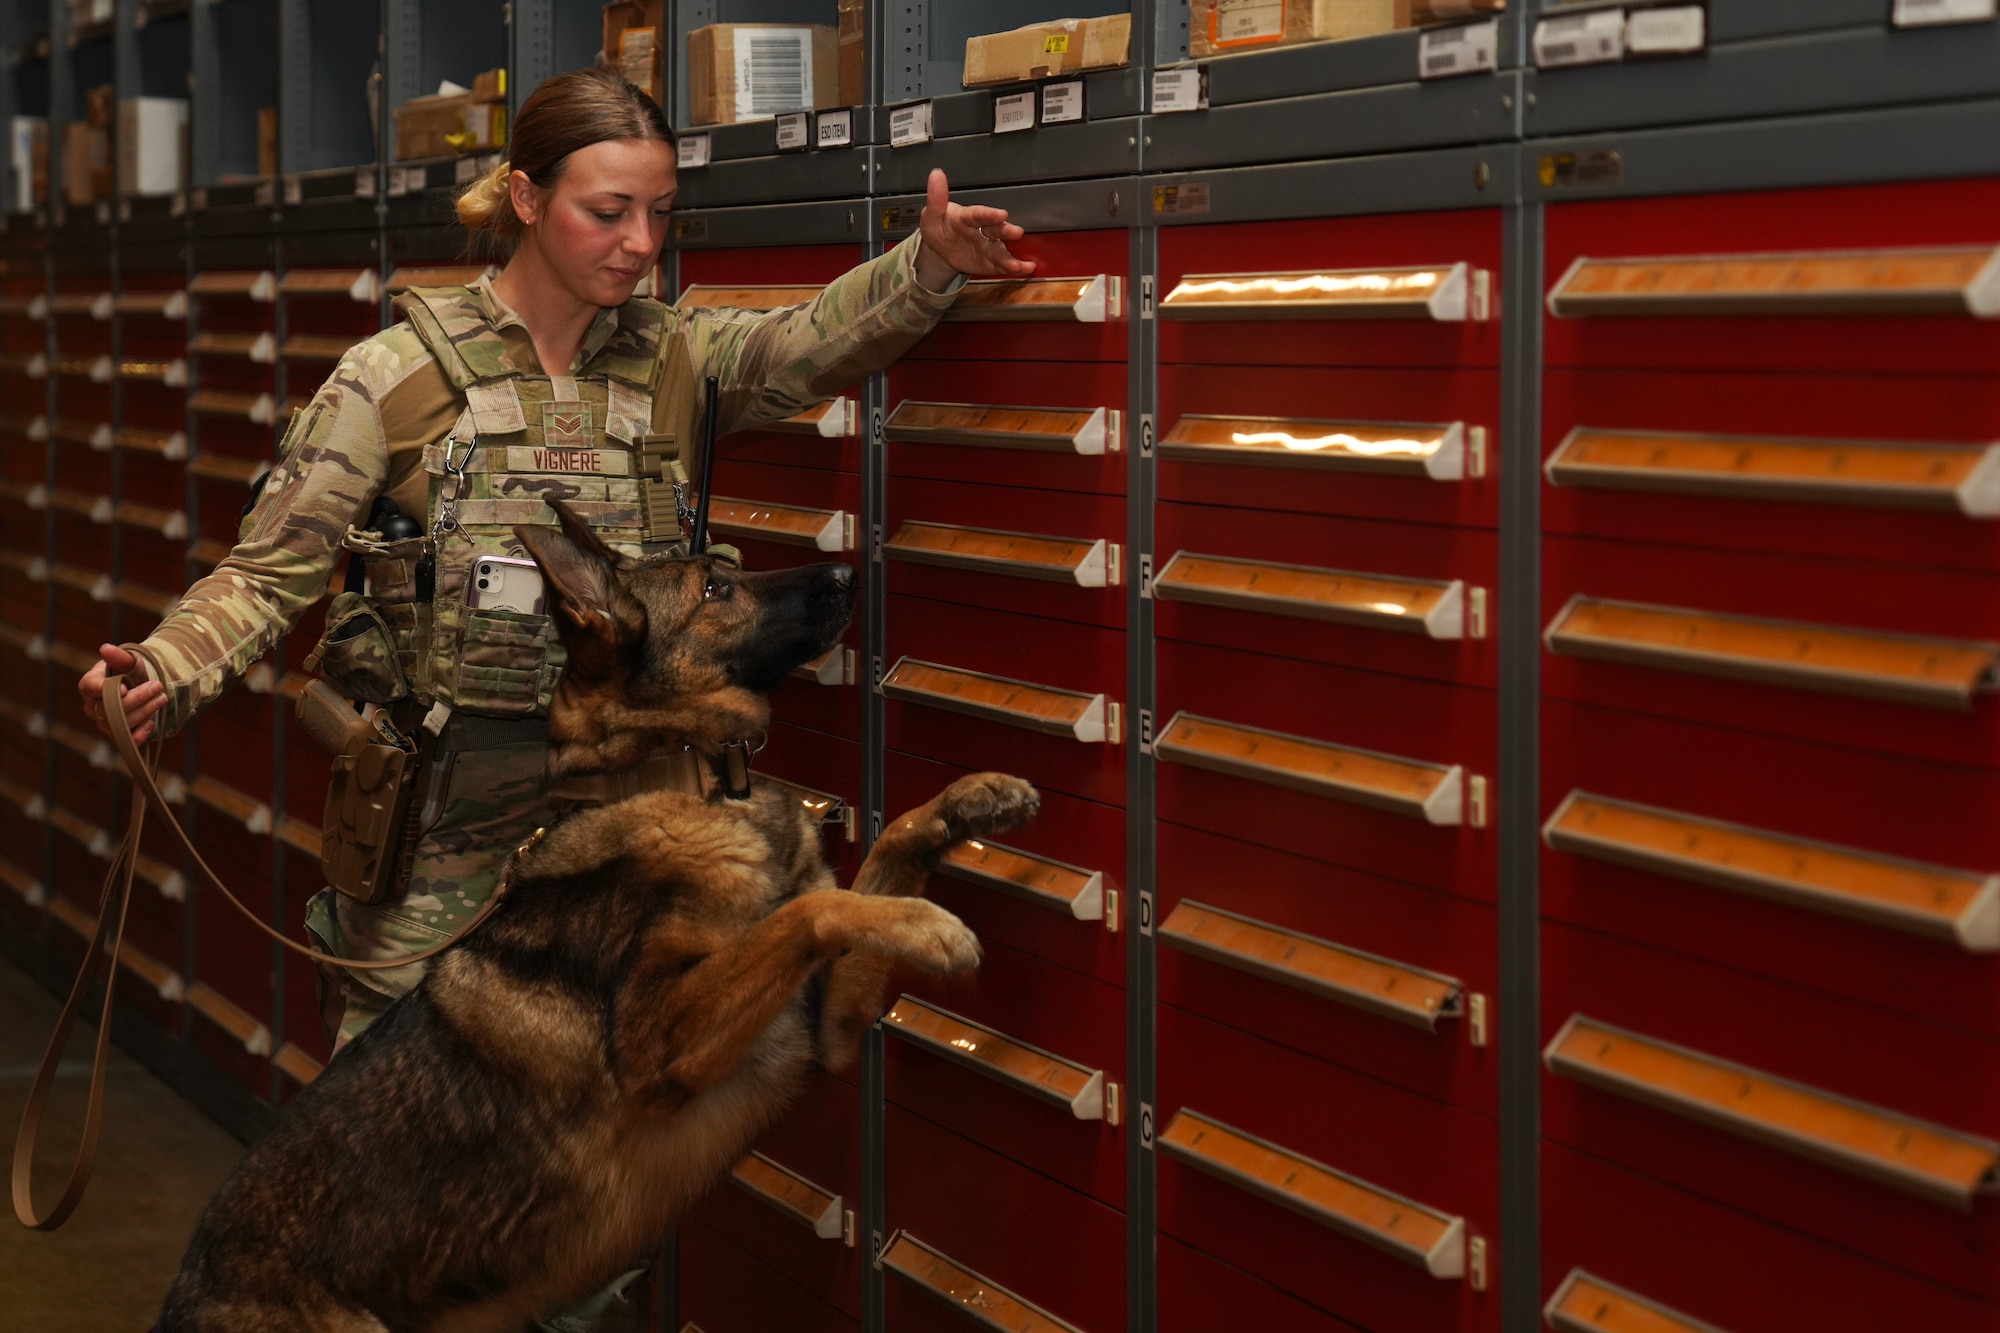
<point x="592" y="441"/>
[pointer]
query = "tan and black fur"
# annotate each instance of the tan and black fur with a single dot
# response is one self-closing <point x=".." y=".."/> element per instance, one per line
<point x="663" y="973"/>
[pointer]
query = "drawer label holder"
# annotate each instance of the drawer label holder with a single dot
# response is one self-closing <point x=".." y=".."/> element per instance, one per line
<point x="1077" y="430"/>
<point x="1090" y="300"/>
<point x="1432" y="1240"/>
<point x="1893" y="668"/>
<point x="1588" y="1304"/>
<point x="1068" y="889"/>
<point x="249" y="284"/>
<point x="450" y="275"/>
<point x="1077" y="560"/>
<point x="346" y="284"/>
<point x="1024" y="1068"/>
<point x="1961" y="906"/>
<point x="1437" y="451"/>
<point x="1954" y="280"/>
<point x="1371" y="601"/>
<point x="746" y="296"/>
<point x="1941" y="1165"/>
<point x="1882" y="474"/>
<point x="1433" y="793"/>
<point x="984" y="1303"/>
<point x="835" y="666"/>
<point x="1380" y="986"/>
<point x="834" y="419"/>
<point x="1090" y="718"/>
<point x="1448" y="293"/>
<point x="828" y="810"/>
<point x="821" y="529"/>
<point x="816" y="1209"/>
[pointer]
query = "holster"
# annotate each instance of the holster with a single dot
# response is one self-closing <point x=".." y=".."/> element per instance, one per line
<point x="370" y="832"/>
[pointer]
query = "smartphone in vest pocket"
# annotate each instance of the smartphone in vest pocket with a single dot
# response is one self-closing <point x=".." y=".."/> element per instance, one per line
<point x="504" y="583"/>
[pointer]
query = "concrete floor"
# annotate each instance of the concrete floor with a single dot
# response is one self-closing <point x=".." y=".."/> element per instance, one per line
<point x="158" y="1160"/>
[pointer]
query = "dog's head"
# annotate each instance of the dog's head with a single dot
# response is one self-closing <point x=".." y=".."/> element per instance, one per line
<point x="672" y="650"/>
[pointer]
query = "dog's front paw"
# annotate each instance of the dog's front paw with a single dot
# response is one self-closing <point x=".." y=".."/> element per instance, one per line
<point x="984" y="804"/>
<point x="927" y="937"/>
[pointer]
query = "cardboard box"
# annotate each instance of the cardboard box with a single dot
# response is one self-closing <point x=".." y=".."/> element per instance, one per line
<point x="267" y="141"/>
<point x="448" y="123"/>
<point x="1219" y="27"/>
<point x="152" y="145"/>
<point x="853" y="52"/>
<point x="1044" y="50"/>
<point x="747" y="71"/>
<point x="86" y="163"/>
<point x="28" y="154"/>
<point x="632" y="44"/>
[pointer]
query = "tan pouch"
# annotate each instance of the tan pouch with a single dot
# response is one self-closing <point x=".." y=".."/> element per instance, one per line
<point x="358" y="652"/>
<point x="369" y="833"/>
<point x="493" y="662"/>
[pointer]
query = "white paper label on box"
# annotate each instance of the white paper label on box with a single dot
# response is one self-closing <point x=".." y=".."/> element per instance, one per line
<point x="1927" y="13"/>
<point x="1234" y="21"/>
<point x="1470" y="48"/>
<point x="1183" y="88"/>
<point x="398" y="183"/>
<point x="1016" y="111"/>
<point x="465" y="170"/>
<point x="1675" y="30"/>
<point x="910" y="125"/>
<point x="794" y="132"/>
<point x="774" y="71"/>
<point x="691" y="151"/>
<point x="836" y="129"/>
<point x="1062" y="102"/>
<point x="266" y="193"/>
<point x="295" y="190"/>
<point x="1595" y="38"/>
<point x="364" y="182"/>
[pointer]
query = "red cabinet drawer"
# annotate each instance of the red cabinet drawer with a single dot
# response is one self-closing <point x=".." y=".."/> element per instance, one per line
<point x="1051" y="654"/>
<point x="1060" y="1250"/>
<point x="1075" y="835"/>
<point x="1420" y="928"/>
<point x="1921" y="1071"/>
<point x="823" y="763"/>
<point x="1377" y="636"/>
<point x="767" y="264"/>
<point x="1074" y="1018"/>
<point x="1902" y="215"/>
<point x="1080" y="582"/>
<point x="1723" y="1266"/>
<point x="1904" y="704"/>
<point x="1394" y="1141"/>
<point x="1082" y="386"/>
<point x="1055" y="254"/>
<point x="1338" y="397"/>
<point x="1198" y="1294"/>
<point x="723" y="1288"/>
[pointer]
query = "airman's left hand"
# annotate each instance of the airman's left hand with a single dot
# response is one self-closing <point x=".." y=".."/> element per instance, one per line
<point x="965" y="238"/>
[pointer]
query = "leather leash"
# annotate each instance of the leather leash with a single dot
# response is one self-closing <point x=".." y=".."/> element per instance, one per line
<point x="112" y="905"/>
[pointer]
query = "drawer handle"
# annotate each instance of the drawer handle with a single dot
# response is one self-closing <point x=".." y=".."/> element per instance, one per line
<point x="1935" y="901"/>
<point x="166" y="982"/>
<point x="1431" y="792"/>
<point x="989" y="1306"/>
<point x="162" y="305"/>
<point x="97" y="587"/>
<point x="1086" y="563"/>
<point x="1952" y="280"/>
<point x="258" y="407"/>
<point x="97" y="305"/>
<point x="250" y="284"/>
<point x="219" y="1010"/>
<point x="25" y="307"/>
<point x="1372" y="601"/>
<point x="1930" y="1161"/>
<point x="835" y="666"/>
<point x="1587" y="1304"/>
<point x="829" y="810"/>
<point x="1037" y="879"/>
<point x="746" y="295"/>
<point x="1958" y="478"/>
<point x="221" y="467"/>
<point x="251" y="813"/>
<point x="316" y="347"/>
<point x="1024" y="1068"/>
<point x="95" y="435"/>
<point x="300" y="835"/>
<point x="171" y="373"/>
<point x="1423" y="1236"/>
<point x="96" y="508"/>
<point x="821" y="529"/>
<point x="433" y="275"/>
<point x="1091" y="300"/>
<point x="1381" y="986"/>
<point x="1070" y="430"/>
<point x="356" y="285"/>
<point x="259" y="347"/>
<point x="1895" y="668"/>
<point x="834" y="419"/>
<point x="296" y="1065"/>
<point x="1447" y="293"/>
<point x="168" y="444"/>
<point x="93" y="750"/>
<point x="207" y="552"/>
<point x="96" y="369"/>
<point x="816" y="1209"/>
<point x="141" y="598"/>
<point x="1090" y="718"/>
<point x="1448" y="451"/>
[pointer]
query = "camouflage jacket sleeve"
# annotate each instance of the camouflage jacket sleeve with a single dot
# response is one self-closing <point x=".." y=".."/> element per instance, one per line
<point x="775" y="364"/>
<point x="332" y="463"/>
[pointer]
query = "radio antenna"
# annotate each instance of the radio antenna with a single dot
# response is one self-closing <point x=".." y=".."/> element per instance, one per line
<point x="698" y="539"/>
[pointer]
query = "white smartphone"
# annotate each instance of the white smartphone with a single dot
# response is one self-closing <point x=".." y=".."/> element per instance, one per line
<point x="504" y="583"/>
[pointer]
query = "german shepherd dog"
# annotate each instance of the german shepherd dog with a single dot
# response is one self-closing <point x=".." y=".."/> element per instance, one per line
<point x="658" y="980"/>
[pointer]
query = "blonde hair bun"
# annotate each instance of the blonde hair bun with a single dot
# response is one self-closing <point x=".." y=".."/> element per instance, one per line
<point x="487" y="205"/>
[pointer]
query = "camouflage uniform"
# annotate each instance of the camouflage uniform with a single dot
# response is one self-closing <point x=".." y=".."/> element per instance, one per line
<point x="379" y="427"/>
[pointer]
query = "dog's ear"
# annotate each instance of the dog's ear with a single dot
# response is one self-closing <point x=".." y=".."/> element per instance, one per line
<point x="582" y="535"/>
<point x="585" y="595"/>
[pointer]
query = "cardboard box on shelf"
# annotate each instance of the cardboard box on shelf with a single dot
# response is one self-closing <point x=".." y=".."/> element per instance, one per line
<point x="28" y="154"/>
<point x="1043" y="50"/>
<point x="267" y="141"/>
<point x="100" y="106"/>
<point x="747" y="71"/>
<point x="152" y="145"/>
<point x="853" y="60"/>
<point x="632" y="43"/>
<point x="1219" y="27"/>
<point x="447" y="123"/>
<point x="86" y="163"/>
<point x="1449" y="11"/>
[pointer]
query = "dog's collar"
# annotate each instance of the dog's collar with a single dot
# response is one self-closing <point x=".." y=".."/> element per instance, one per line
<point x="681" y="769"/>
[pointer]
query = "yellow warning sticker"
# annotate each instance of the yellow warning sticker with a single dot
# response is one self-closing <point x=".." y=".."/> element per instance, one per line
<point x="1056" y="43"/>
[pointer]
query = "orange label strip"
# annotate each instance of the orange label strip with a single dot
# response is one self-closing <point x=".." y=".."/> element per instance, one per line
<point x="979" y="1300"/>
<point x="1587" y="1304"/>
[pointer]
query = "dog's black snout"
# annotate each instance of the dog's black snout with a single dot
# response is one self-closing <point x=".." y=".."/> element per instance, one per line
<point x="843" y="576"/>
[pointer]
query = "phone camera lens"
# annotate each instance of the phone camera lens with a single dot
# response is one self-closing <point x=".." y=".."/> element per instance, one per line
<point x="483" y="583"/>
